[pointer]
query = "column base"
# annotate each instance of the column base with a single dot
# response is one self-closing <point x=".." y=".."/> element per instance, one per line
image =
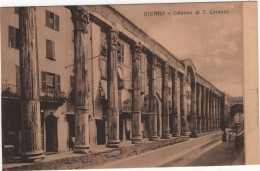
<point x="32" y="157"/>
<point x="137" y="140"/>
<point x="176" y="134"/>
<point x="113" y="143"/>
<point x="166" y="136"/>
<point x="153" y="138"/>
<point x="81" y="149"/>
<point x="186" y="133"/>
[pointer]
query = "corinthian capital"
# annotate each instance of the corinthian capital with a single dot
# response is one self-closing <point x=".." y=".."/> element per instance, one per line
<point x="137" y="50"/>
<point x="113" y="37"/>
<point x="80" y="18"/>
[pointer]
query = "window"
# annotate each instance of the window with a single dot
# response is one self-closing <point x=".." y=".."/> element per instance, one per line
<point x="13" y="37"/>
<point x="120" y="53"/>
<point x="52" y="20"/>
<point x="103" y="50"/>
<point x="50" y="82"/>
<point x="50" y="49"/>
<point x="16" y="10"/>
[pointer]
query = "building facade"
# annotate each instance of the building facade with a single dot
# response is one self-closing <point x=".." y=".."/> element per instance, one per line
<point x="86" y="75"/>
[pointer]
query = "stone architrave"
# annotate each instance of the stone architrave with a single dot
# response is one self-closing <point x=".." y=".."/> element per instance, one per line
<point x="31" y="149"/>
<point x="136" y="94"/>
<point x="165" y="105"/>
<point x="80" y="18"/>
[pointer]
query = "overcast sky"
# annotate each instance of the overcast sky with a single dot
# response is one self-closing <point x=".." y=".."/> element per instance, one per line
<point x="213" y="42"/>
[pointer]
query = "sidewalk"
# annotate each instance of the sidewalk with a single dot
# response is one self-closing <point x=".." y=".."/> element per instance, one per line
<point x="97" y="155"/>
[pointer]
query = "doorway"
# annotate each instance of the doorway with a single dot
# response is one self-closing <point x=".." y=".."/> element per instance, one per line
<point x="101" y="134"/>
<point x="51" y="134"/>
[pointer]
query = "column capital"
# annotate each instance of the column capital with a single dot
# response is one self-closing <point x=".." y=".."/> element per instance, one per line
<point x="113" y="37"/>
<point x="137" y="49"/>
<point x="80" y="18"/>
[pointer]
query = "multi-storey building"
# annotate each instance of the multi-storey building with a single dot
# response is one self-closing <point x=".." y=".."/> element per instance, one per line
<point x="89" y="73"/>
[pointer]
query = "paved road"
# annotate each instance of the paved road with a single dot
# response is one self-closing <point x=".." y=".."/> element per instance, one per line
<point x="203" y="151"/>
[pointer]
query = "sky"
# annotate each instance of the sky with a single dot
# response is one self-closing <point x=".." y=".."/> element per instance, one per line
<point x="214" y="42"/>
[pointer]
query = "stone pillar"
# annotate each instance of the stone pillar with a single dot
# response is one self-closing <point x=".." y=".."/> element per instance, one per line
<point x="214" y="111"/>
<point x="152" y="100"/>
<point x="204" y="108"/>
<point x="112" y="87"/>
<point x="199" y="109"/>
<point x="31" y="149"/>
<point x="175" y="107"/>
<point x="136" y="95"/>
<point x="194" y="111"/>
<point x="219" y="111"/>
<point x="207" y="111"/>
<point x="184" y="124"/>
<point x="80" y="18"/>
<point x="210" y="110"/>
<point x="165" y="105"/>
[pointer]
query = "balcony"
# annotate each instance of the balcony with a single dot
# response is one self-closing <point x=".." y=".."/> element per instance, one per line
<point x="10" y="91"/>
<point x="52" y="98"/>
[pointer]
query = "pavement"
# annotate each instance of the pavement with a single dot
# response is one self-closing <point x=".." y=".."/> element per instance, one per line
<point x="208" y="150"/>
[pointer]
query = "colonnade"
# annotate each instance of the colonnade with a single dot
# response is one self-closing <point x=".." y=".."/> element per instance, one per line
<point x="205" y="103"/>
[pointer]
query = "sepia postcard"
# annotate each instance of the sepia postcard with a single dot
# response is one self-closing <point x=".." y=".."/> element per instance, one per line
<point x="129" y="86"/>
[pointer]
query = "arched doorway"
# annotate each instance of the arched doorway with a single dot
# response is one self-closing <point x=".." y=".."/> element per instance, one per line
<point x="51" y="134"/>
<point x="234" y="110"/>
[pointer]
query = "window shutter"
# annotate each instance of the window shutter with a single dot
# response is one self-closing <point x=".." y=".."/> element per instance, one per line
<point x="11" y="36"/>
<point x="52" y="49"/>
<point x="16" y="10"/>
<point x="17" y="37"/>
<point x="48" y="18"/>
<point x="44" y="85"/>
<point x="18" y="80"/>
<point x="57" y="27"/>
<point x="122" y="53"/>
<point x="57" y="82"/>
<point x="72" y="81"/>
<point x="48" y="48"/>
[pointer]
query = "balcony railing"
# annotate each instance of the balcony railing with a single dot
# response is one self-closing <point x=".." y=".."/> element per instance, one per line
<point x="53" y="96"/>
<point x="10" y="90"/>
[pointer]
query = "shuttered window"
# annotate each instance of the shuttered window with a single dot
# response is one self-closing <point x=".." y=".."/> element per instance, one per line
<point x="13" y="37"/>
<point x="50" y="49"/>
<point x="103" y="68"/>
<point x="52" y="20"/>
<point x="50" y="82"/>
<point x="120" y="53"/>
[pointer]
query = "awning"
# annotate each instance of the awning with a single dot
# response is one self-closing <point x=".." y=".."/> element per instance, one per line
<point x="103" y="88"/>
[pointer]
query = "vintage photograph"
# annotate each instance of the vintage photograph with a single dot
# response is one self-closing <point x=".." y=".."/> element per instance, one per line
<point x="122" y="86"/>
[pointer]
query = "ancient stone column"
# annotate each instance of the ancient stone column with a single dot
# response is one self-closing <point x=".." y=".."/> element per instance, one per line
<point x="112" y="85"/>
<point x="199" y="109"/>
<point x="207" y="110"/>
<point x="184" y="124"/>
<point x="194" y="111"/>
<point x="80" y="18"/>
<point x="214" y="112"/>
<point x="136" y="95"/>
<point x="31" y="149"/>
<point x="211" y="110"/>
<point x="204" y="112"/>
<point x="219" y="111"/>
<point x="165" y="105"/>
<point x="152" y="100"/>
<point x="175" y="99"/>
